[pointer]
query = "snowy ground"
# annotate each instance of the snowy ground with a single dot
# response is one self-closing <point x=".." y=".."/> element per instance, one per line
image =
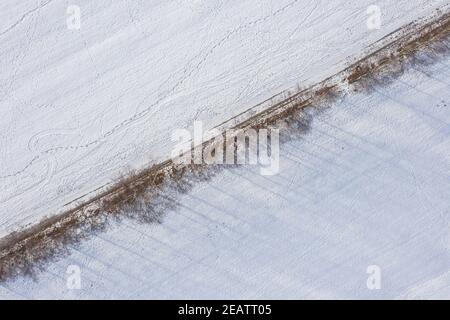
<point x="369" y="184"/>
<point x="79" y="107"/>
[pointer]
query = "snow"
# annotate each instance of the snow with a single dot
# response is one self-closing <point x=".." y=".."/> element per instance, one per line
<point x="367" y="185"/>
<point x="80" y="107"/>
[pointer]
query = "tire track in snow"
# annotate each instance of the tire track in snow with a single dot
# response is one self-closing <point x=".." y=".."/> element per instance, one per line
<point x="25" y="15"/>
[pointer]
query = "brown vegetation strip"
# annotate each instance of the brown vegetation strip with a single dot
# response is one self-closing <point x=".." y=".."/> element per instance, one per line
<point x="21" y="252"/>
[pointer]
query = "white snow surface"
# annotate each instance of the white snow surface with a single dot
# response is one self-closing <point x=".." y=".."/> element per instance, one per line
<point x="369" y="184"/>
<point x="80" y="107"/>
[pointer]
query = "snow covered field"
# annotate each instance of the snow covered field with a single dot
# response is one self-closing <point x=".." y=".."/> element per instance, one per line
<point x="80" y="107"/>
<point x="368" y="185"/>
